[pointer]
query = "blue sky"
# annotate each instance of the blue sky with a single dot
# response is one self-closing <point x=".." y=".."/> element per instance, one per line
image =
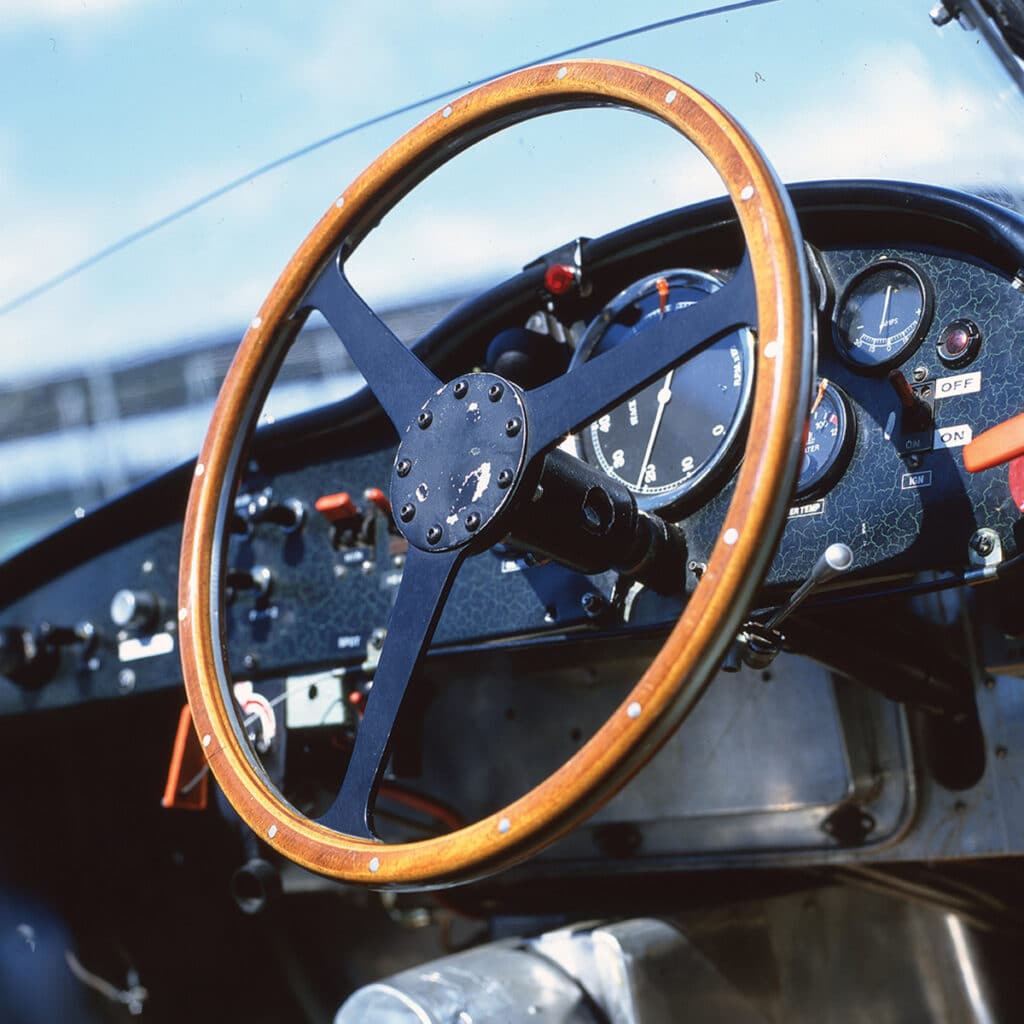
<point x="117" y="112"/>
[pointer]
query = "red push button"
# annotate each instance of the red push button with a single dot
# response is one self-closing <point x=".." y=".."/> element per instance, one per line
<point x="559" y="278"/>
<point x="1017" y="482"/>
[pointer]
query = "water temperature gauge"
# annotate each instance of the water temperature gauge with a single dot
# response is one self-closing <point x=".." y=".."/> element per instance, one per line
<point x="831" y="434"/>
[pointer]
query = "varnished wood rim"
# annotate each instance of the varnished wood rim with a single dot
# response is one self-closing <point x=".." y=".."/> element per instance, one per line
<point x="678" y="674"/>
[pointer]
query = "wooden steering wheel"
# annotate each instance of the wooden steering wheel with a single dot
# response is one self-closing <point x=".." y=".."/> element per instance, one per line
<point x="768" y="293"/>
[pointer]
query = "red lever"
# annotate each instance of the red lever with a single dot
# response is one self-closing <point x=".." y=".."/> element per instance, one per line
<point x="995" y="446"/>
<point x="376" y="497"/>
<point x="336" y="508"/>
<point x="904" y="392"/>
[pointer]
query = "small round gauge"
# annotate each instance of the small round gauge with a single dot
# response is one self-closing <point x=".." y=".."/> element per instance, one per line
<point x="883" y="315"/>
<point x="673" y="439"/>
<point x="831" y="432"/>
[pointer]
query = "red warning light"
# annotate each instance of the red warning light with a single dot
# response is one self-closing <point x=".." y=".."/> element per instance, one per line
<point x="559" y="278"/>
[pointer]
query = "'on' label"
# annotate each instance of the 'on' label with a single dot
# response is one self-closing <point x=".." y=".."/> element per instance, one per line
<point x="953" y="437"/>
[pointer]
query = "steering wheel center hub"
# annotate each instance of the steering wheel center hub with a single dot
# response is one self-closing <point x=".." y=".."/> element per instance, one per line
<point x="459" y="462"/>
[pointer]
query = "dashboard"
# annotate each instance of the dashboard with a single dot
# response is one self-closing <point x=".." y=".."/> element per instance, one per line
<point x="919" y="338"/>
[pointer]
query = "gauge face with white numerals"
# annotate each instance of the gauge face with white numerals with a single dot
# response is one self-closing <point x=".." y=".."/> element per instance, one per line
<point x="882" y="315"/>
<point x="671" y="442"/>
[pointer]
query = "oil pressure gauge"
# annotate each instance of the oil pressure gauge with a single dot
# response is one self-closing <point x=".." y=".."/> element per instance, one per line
<point x="831" y="433"/>
<point x="883" y="315"/>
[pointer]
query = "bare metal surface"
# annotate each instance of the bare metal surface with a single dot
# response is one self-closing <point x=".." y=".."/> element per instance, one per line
<point x="753" y="774"/>
<point x="644" y="971"/>
<point x="495" y="984"/>
<point x="838" y="955"/>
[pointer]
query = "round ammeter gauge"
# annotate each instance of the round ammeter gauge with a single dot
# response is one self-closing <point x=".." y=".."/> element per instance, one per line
<point x="831" y="434"/>
<point x="883" y="315"/>
<point x="671" y="442"/>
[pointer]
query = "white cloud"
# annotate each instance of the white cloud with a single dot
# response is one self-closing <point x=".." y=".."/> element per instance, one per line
<point x="497" y="207"/>
<point x="900" y="122"/>
<point x="22" y="13"/>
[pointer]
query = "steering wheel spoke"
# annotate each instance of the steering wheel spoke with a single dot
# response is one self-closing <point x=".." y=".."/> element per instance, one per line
<point x="426" y="580"/>
<point x="396" y="376"/>
<point x="590" y="389"/>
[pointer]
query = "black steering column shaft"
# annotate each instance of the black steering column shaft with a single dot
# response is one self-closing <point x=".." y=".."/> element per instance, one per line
<point x="590" y="522"/>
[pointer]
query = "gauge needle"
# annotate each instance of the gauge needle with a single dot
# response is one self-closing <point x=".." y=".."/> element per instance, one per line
<point x="885" y="313"/>
<point x="663" y="286"/>
<point x="664" y="397"/>
<point x="822" y="388"/>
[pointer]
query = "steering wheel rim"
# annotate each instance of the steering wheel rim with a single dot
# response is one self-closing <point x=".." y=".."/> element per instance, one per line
<point x="678" y="674"/>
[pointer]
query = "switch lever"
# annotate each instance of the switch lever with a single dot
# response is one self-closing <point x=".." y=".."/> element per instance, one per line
<point x="289" y="514"/>
<point x="833" y="561"/>
<point x="759" y="643"/>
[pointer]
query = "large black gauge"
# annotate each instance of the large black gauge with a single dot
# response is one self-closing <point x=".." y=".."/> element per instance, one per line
<point x="675" y="438"/>
<point x="831" y="433"/>
<point x="883" y="314"/>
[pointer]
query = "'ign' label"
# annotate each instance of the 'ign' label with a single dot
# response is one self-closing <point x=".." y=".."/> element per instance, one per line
<point x="915" y="481"/>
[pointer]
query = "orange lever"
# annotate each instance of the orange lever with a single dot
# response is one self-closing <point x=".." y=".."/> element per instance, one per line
<point x="995" y="446"/>
<point x="188" y="782"/>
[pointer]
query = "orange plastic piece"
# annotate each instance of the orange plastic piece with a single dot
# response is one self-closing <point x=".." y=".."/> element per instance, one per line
<point x="995" y="446"/>
<point x="188" y="779"/>
<point x="336" y="508"/>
